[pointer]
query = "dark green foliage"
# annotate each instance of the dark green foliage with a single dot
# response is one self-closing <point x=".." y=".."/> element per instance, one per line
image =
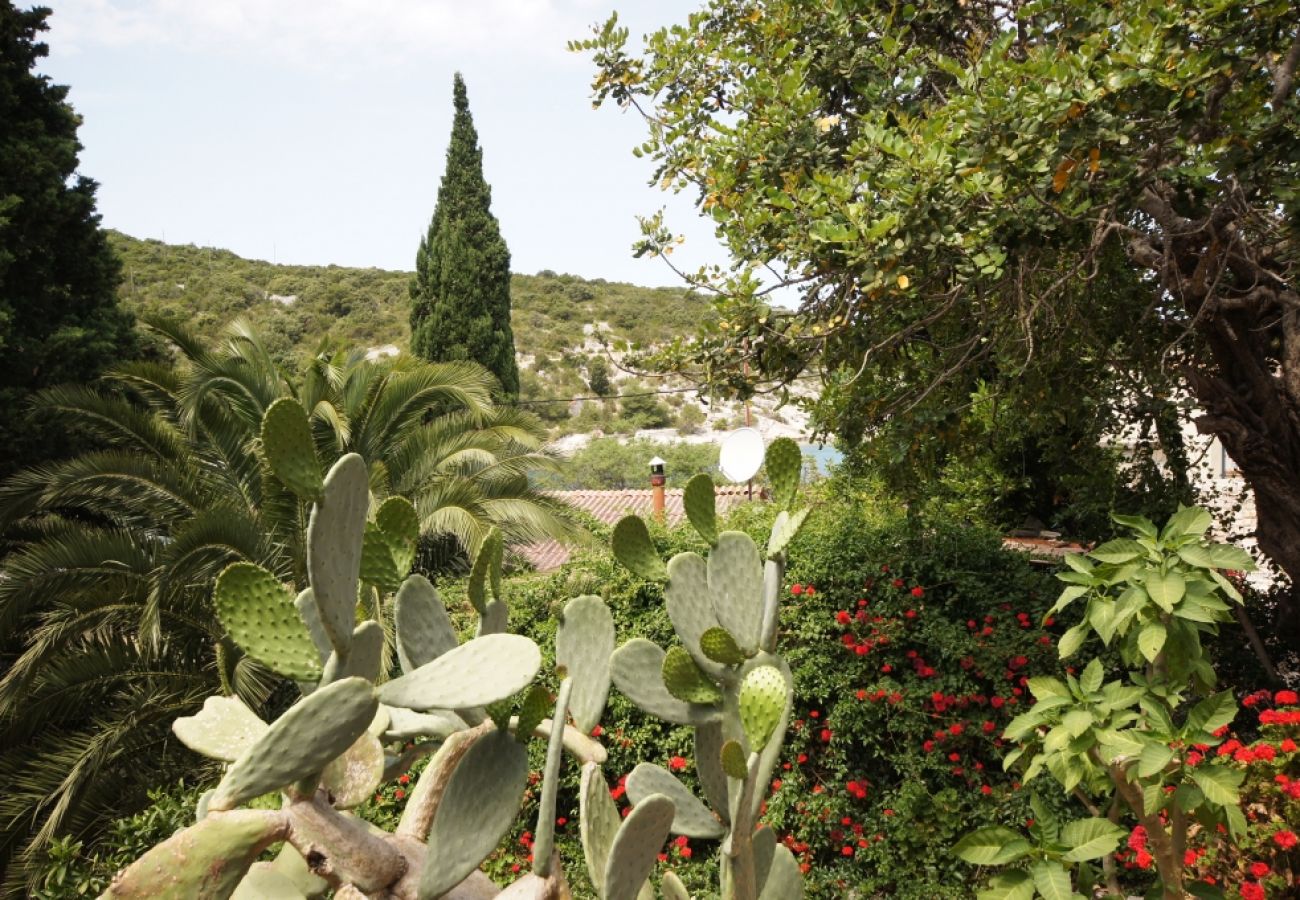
<point x="598" y="376"/>
<point x="608" y="464"/>
<point x="59" y="320"/>
<point x="460" y="295"/>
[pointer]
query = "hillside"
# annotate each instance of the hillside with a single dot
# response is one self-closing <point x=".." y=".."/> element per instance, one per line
<point x="555" y="318"/>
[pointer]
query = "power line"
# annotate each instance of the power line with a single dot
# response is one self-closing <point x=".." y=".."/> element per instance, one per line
<point x="684" y="390"/>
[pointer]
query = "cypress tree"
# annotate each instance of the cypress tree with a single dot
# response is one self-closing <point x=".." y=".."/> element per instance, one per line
<point x="460" y="295"/>
<point x="59" y="319"/>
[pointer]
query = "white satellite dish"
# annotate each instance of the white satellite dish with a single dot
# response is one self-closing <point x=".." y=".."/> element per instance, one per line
<point x="741" y="455"/>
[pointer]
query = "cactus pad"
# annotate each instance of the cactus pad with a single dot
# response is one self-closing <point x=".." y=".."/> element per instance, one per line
<point x="310" y="615"/>
<point x="708" y="767"/>
<point x="784" y="529"/>
<point x="735" y="575"/>
<point x="700" y="504"/>
<point x="352" y="778"/>
<point x="583" y="646"/>
<point x="399" y="520"/>
<point x="299" y="743"/>
<point x="692" y="817"/>
<point x="636" y="847"/>
<point x="634" y="549"/>
<point x="718" y="645"/>
<point x="784" y="880"/>
<point x="334" y="536"/>
<point x="536" y="706"/>
<point x="223" y="729"/>
<point x="672" y="887"/>
<point x="733" y="760"/>
<point x="684" y="680"/>
<point x="495" y="619"/>
<point x="762" y="703"/>
<point x="486" y="568"/>
<point x="378" y="560"/>
<point x="784" y="465"/>
<point x="404" y="724"/>
<point x="424" y="630"/>
<point x="366" y="658"/>
<point x="208" y="859"/>
<point x="478" y="806"/>
<point x="764" y="843"/>
<point x="687" y="598"/>
<point x="260" y="616"/>
<point x="289" y="449"/>
<point x="482" y="671"/>
<point x="263" y="882"/>
<point x="598" y="822"/>
<point x="637" y="669"/>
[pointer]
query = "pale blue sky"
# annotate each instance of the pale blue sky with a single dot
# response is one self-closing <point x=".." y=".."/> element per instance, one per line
<point x="315" y="131"/>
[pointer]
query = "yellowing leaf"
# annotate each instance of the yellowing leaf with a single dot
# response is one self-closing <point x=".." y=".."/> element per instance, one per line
<point x="1063" y="173"/>
<point x="1094" y="159"/>
<point x="903" y="282"/>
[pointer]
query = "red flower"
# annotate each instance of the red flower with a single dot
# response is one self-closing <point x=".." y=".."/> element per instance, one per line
<point x="997" y="702"/>
<point x="918" y="592"/>
<point x="898" y="582"/>
<point x="1251" y="890"/>
<point x="677" y="763"/>
<point x="1286" y="698"/>
<point x="1144" y="859"/>
<point x="796" y="589"/>
<point x="1285" y="839"/>
<point x="1259" y="869"/>
<point x="847" y="851"/>
<point x="826" y="735"/>
<point x="1287" y="746"/>
<point x="561" y="821"/>
<point x="808" y="589"/>
<point x="399" y="794"/>
<point x="405" y="779"/>
<point x="986" y="790"/>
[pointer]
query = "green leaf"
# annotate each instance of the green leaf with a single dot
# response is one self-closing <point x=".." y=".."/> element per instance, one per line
<point x="1140" y="524"/>
<point x="1154" y="758"/>
<point x="1015" y="885"/>
<point x="1227" y="586"/>
<point x="1072" y="640"/>
<point x="1187" y="522"/>
<point x="1043" y="686"/>
<point x="1151" y="640"/>
<point x="1090" y="680"/>
<point x="1077" y="721"/>
<point x="1052" y="880"/>
<point x="1226" y="556"/>
<point x="1219" y="784"/>
<point x="1078" y="563"/>
<point x="1090" y="838"/>
<point x="1166" y="590"/>
<point x="989" y="846"/>
<point x="1196" y="555"/>
<point x="1211" y="714"/>
<point x="1119" y="551"/>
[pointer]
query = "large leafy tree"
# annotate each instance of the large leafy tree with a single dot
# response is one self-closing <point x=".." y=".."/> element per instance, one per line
<point x="59" y="321"/>
<point x="114" y="552"/>
<point x="460" y="294"/>
<point x="1061" y="203"/>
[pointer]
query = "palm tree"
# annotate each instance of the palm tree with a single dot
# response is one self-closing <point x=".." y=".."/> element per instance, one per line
<point x="113" y="553"/>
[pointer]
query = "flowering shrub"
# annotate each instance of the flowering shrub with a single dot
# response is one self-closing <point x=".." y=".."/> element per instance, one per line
<point x="910" y="647"/>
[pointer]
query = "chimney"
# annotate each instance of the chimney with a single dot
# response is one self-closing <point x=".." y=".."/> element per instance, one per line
<point x="657" y="480"/>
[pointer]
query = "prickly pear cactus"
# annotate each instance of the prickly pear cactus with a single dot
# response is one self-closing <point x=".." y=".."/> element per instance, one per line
<point x="725" y="679"/>
<point x="470" y="706"/>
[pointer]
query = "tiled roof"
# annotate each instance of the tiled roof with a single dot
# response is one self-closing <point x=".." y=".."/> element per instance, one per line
<point x="610" y="506"/>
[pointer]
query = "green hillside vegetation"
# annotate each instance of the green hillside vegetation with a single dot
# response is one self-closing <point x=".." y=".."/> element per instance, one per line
<point x="369" y="307"/>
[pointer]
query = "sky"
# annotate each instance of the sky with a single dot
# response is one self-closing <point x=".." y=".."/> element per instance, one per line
<point x="315" y="131"/>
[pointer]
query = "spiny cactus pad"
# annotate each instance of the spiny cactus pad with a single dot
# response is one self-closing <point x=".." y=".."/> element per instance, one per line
<point x="366" y="658"/>
<point x="637" y="669"/>
<point x="784" y="465"/>
<point x="207" y="859"/>
<point x="700" y="504"/>
<point x="708" y="766"/>
<point x="260" y="616"/>
<point x="299" y="743"/>
<point x="334" y="536"/>
<point x="685" y="681"/>
<point x="634" y="549"/>
<point x="535" y="707"/>
<point x="692" y="818"/>
<point x="687" y="598"/>
<point x="762" y="702"/>
<point x="378" y="560"/>
<point x="784" y="529"/>
<point x="583" y="645"/>
<point x="424" y="630"/>
<point x="289" y="449"/>
<point x="598" y="822"/>
<point x="718" y="645"/>
<point x="478" y="806"/>
<point x="310" y="615"/>
<point x="223" y="729"/>
<point x="486" y="568"/>
<point x="784" y="880"/>
<point x="352" y="778"/>
<point x="399" y="520"/>
<point x="482" y="671"/>
<point x="636" y="847"/>
<point x="733" y="760"/>
<point x="735" y="575"/>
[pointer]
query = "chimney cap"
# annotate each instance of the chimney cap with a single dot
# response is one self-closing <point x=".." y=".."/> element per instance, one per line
<point x="656" y="461"/>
